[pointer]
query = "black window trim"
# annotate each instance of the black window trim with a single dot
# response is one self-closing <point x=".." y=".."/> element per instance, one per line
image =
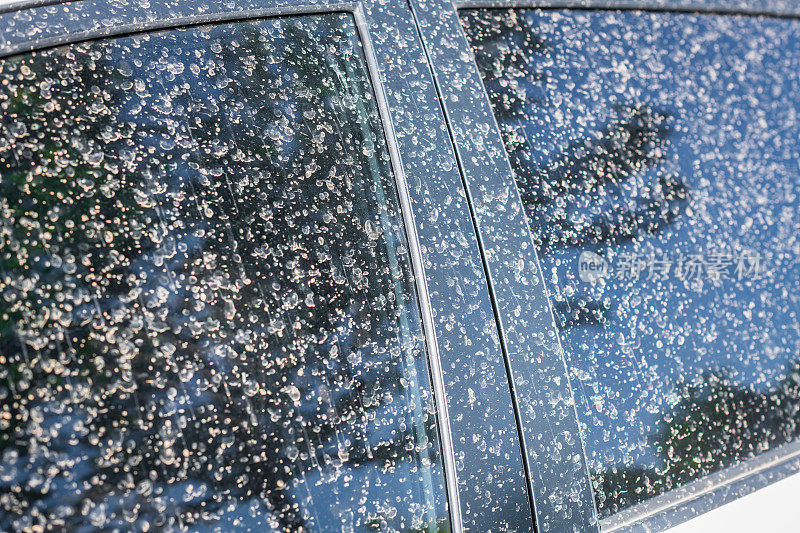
<point x="518" y="303"/>
<point x="451" y="347"/>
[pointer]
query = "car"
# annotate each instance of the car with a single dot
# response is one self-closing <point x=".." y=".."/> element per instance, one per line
<point x="486" y="265"/>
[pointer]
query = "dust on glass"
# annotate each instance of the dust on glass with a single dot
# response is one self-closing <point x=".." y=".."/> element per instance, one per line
<point x="657" y="159"/>
<point x="208" y="318"/>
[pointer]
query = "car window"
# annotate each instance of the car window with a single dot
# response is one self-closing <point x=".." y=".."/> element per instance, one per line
<point x="657" y="157"/>
<point x="208" y="317"/>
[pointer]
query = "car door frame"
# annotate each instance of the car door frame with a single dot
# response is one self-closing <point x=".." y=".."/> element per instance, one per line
<point x="480" y="448"/>
<point x="555" y="459"/>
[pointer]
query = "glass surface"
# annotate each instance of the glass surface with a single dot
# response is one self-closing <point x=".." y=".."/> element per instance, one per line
<point x="657" y="156"/>
<point x="208" y="318"/>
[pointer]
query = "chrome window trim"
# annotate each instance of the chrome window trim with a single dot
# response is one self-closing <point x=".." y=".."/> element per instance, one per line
<point x="453" y="292"/>
<point x="704" y="494"/>
<point x="518" y="303"/>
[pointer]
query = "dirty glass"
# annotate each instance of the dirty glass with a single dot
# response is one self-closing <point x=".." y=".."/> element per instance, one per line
<point x="657" y="157"/>
<point x="208" y="318"/>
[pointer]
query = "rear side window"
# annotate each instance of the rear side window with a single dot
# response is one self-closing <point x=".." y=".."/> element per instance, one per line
<point x="208" y="318"/>
<point x="657" y="156"/>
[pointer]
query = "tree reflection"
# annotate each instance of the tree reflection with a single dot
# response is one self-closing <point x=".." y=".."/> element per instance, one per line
<point x="583" y="175"/>
<point x="713" y="425"/>
<point x="591" y="170"/>
<point x="606" y="117"/>
<point x="207" y="307"/>
<point x="578" y="198"/>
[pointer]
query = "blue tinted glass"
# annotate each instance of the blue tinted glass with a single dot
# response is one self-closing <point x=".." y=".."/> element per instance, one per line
<point x="657" y="156"/>
<point x="208" y="320"/>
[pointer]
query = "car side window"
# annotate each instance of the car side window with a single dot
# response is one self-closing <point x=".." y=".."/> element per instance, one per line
<point x="208" y="315"/>
<point x="656" y="155"/>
